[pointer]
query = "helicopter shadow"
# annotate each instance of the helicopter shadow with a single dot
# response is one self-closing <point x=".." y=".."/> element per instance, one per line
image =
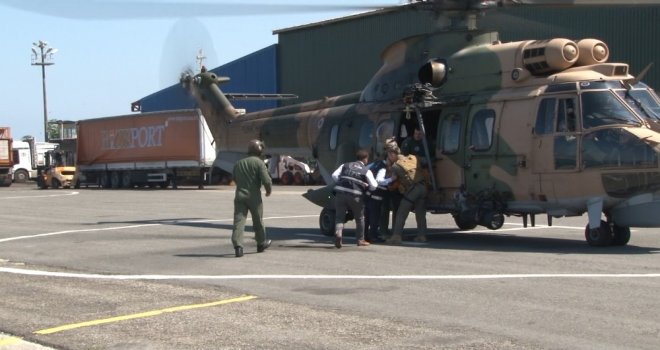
<point x="310" y="238"/>
<point x="500" y="242"/>
<point x="277" y="234"/>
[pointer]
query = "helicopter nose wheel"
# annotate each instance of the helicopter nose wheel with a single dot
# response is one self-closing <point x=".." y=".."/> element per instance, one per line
<point x="607" y="235"/>
<point x="599" y="237"/>
<point x="621" y="235"/>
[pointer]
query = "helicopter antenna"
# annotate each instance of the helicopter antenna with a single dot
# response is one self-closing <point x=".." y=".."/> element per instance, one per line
<point x="642" y="74"/>
<point x="200" y="59"/>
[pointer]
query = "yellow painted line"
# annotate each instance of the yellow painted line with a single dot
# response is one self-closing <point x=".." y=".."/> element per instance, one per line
<point x="143" y="315"/>
<point x="10" y="341"/>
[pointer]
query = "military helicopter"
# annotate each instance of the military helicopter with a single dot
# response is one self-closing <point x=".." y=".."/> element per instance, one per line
<point x="510" y="129"/>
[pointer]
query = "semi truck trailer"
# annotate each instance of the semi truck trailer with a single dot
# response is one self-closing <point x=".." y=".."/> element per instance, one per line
<point x="6" y="159"/>
<point x="148" y="149"/>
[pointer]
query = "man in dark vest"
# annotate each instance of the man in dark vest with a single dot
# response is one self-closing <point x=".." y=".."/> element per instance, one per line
<point x="352" y="180"/>
<point x="250" y="174"/>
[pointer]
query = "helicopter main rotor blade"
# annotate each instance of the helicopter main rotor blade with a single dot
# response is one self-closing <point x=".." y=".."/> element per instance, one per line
<point x="127" y="9"/>
<point x="578" y="2"/>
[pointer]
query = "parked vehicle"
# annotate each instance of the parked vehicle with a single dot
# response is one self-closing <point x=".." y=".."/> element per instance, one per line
<point x="287" y="170"/>
<point x="6" y="159"/>
<point x="29" y="157"/>
<point x="58" y="171"/>
<point x="148" y="149"/>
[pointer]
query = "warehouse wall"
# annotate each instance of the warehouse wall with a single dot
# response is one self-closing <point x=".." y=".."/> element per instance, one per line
<point x="340" y="56"/>
<point x="255" y="73"/>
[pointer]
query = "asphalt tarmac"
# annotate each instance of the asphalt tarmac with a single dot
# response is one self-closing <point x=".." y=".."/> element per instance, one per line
<point x="155" y="269"/>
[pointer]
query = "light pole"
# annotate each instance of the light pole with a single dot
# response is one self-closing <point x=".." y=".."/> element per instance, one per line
<point x="43" y="58"/>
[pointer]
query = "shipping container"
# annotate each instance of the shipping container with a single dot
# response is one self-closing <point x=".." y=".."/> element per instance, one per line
<point x="148" y="149"/>
<point x="6" y="162"/>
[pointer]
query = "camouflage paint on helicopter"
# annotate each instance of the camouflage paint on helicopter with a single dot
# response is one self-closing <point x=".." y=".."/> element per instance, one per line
<point x="517" y="128"/>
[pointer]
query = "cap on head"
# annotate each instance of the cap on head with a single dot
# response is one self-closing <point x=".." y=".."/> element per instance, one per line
<point x="255" y="147"/>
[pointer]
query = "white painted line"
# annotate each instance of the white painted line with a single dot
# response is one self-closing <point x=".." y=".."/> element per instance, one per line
<point x="74" y="231"/>
<point x="162" y="222"/>
<point x="323" y="277"/>
<point x="44" y="196"/>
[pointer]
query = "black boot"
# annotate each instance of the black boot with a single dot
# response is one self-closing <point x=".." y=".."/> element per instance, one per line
<point x="264" y="246"/>
<point x="239" y="251"/>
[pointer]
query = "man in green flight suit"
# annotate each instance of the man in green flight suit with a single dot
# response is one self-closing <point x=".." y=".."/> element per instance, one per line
<point x="250" y="174"/>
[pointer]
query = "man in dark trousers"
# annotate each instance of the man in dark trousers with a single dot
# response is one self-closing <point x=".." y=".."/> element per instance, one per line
<point x="352" y="180"/>
<point x="250" y="174"/>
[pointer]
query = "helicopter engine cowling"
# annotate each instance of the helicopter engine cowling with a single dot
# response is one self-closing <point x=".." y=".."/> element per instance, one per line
<point x="542" y="57"/>
<point x="434" y="72"/>
<point x="592" y="51"/>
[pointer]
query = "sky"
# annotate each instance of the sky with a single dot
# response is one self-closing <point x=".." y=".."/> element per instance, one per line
<point x="113" y="52"/>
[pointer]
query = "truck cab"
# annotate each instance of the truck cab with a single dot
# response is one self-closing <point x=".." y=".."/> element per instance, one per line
<point x="28" y="157"/>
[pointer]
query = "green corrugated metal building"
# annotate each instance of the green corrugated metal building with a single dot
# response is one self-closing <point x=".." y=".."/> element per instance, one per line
<point x="340" y="56"/>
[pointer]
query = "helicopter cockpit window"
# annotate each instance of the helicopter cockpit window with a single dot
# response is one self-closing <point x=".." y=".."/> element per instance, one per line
<point x="642" y="102"/>
<point x="616" y="148"/>
<point x="450" y="134"/>
<point x="566" y="118"/>
<point x="481" y="137"/>
<point x="366" y="135"/>
<point x="604" y="108"/>
<point x="334" y="132"/>
<point x="545" y="119"/>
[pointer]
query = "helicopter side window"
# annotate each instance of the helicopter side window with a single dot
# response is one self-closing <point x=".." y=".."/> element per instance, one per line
<point x="366" y="135"/>
<point x="334" y="133"/>
<point x="565" y="152"/>
<point x="450" y="134"/>
<point x="604" y="108"/>
<point x="481" y="137"/>
<point x="545" y="119"/>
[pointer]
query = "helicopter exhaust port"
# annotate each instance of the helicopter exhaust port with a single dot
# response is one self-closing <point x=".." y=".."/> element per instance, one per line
<point x="541" y="57"/>
<point x="434" y="72"/>
<point x="592" y="51"/>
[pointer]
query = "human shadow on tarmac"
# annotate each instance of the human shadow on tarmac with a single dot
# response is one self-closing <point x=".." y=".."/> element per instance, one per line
<point x="311" y="238"/>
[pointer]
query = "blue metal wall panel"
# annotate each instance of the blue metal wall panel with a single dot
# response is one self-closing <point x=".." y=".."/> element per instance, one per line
<point x="254" y="73"/>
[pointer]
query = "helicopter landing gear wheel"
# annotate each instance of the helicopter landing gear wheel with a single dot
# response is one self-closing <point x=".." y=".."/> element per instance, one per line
<point x="463" y="223"/>
<point x="493" y="220"/>
<point x="327" y="222"/>
<point x="621" y="235"/>
<point x="599" y="237"/>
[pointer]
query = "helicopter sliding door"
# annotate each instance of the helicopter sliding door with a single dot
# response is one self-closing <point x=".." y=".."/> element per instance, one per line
<point x="449" y="160"/>
<point x="554" y="141"/>
<point x="481" y="147"/>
